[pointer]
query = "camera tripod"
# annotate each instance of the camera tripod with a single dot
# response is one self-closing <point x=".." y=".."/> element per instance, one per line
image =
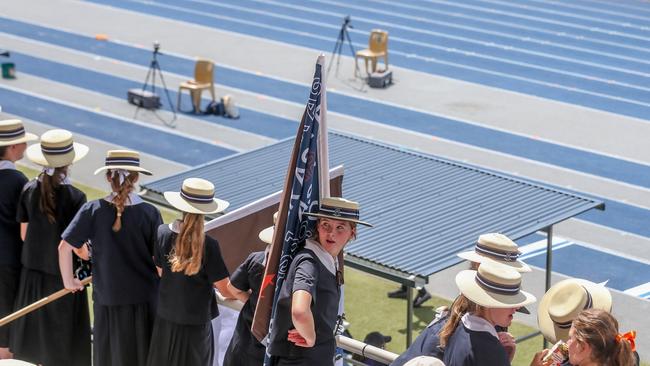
<point x="338" y="47"/>
<point x="154" y="68"/>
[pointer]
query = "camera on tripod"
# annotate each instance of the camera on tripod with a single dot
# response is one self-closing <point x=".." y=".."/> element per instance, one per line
<point x="156" y="47"/>
<point x="346" y="22"/>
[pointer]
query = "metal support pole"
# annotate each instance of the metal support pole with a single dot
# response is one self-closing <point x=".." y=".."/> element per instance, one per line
<point x="409" y="314"/>
<point x="549" y="262"/>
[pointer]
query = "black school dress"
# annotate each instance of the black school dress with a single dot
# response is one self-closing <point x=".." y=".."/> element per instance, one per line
<point x="474" y="347"/>
<point x="244" y="349"/>
<point x="58" y="333"/>
<point x="125" y="280"/>
<point x="11" y="184"/>
<point x="308" y="272"/>
<point x="426" y="344"/>
<point x="182" y="334"/>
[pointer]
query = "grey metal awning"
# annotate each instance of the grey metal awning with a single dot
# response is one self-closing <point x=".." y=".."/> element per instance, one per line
<point x="425" y="209"/>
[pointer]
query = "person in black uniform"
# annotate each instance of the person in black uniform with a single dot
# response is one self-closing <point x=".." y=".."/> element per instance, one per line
<point x="245" y="283"/>
<point x="122" y="230"/>
<point x="59" y="333"/>
<point x="307" y="306"/>
<point x="13" y="142"/>
<point x="492" y="295"/>
<point x="190" y="264"/>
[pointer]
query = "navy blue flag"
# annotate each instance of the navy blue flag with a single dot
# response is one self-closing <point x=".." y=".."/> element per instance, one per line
<point x="302" y="193"/>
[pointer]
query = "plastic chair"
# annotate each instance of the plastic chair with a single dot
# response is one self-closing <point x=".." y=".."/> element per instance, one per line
<point x="377" y="47"/>
<point x="203" y="79"/>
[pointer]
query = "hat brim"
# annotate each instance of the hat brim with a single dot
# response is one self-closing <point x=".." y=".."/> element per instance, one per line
<point x="468" y="286"/>
<point x="472" y="256"/>
<point x="27" y="138"/>
<point x="600" y="296"/>
<point x="181" y="204"/>
<point x="338" y="218"/>
<point x="130" y="168"/>
<point x="266" y="235"/>
<point x="35" y="154"/>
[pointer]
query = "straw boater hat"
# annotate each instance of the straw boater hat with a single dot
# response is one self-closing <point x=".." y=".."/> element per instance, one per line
<point x="123" y="159"/>
<point x="424" y="361"/>
<point x="496" y="247"/>
<point x="493" y="286"/>
<point x="197" y="197"/>
<point x="56" y="150"/>
<point x="12" y="132"/>
<point x="564" y="301"/>
<point x="266" y="235"/>
<point x="339" y="209"/>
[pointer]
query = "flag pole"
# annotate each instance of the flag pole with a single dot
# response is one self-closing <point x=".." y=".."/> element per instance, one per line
<point x="40" y="303"/>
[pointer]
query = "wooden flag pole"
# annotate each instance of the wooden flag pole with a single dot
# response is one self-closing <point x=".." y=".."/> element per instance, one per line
<point x="40" y="303"/>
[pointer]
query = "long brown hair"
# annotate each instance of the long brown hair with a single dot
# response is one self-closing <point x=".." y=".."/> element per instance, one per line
<point x="187" y="255"/>
<point x="121" y="194"/>
<point x="599" y="329"/>
<point x="48" y="187"/>
<point x="460" y="307"/>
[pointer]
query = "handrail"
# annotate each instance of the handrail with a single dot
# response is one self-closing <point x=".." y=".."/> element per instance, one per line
<point x="346" y="343"/>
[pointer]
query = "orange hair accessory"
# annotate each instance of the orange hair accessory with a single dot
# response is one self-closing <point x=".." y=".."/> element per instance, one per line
<point x="629" y="337"/>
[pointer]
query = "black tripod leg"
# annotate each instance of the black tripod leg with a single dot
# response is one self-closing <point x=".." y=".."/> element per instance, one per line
<point x="354" y="55"/>
<point x="169" y="99"/>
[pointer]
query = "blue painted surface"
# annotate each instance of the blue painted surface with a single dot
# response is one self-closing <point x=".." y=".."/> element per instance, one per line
<point x="583" y="262"/>
<point x="458" y="62"/>
<point x="279" y="128"/>
<point x="111" y="130"/>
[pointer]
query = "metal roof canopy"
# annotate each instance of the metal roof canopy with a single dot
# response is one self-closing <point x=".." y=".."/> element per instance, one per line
<point x="425" y="209"/>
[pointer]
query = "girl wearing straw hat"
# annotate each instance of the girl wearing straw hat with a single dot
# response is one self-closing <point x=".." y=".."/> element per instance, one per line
<point x="59" y="333"/>
<point x="245" y="283"/>
<point x="13" y="142"/>
<point x="491" y="294"/>
<point x="122" y="229"/>
<point x="307" y="307"/>
<point x="190" y="265"/>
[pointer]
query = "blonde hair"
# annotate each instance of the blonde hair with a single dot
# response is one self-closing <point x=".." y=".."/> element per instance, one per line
<point x="599" y="329"/>
<point x="460" y="307"/>
<point x="187" y="254"/>
<point x="121" y="194"/>
<point x="48" y="186"/>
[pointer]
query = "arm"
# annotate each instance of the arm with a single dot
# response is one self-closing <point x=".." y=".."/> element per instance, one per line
<point x="222" y="286"/>
<point x="82" y="252"/>
<point x="237" y="293"/>
<point x="65" y="266"/>
<point x="508" y="342"/>
<point x="23" y="230"/>
<point x="302" y="319"/>
<point x="159" y="271"/>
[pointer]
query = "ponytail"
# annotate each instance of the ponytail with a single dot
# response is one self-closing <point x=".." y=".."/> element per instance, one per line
<point x="122" y="191"/>
<point x="460" y="307"/>
<point x="48" y="187"/>
<point x="599" y="329"/>
<point x="187" y="255"/>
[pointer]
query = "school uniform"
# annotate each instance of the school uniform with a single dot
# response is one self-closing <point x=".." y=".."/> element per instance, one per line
<point x="59" y="333"/>
<point x="182" y="332"/>
<point x="426" y="344"/>
<point x="475" y="342"/>
<point x="125" y="281"/>
<point x="11" y="184"/>
<point x="312" y="270"/>
<point x="244" y="349"/>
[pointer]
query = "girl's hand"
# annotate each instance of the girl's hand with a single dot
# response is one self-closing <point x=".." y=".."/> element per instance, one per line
<point x="508" y="342"/>
<point x="299" y="340"/>
<point x="73" y="285"/>
<point x="539" y="356"/>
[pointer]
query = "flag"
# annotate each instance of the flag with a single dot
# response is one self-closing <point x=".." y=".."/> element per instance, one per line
<point x="304" y="185"/>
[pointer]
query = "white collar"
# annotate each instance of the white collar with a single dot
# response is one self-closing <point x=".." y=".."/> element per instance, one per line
<point x="134" y="199"/>
<point x="478" y="324"/>
<point x="175" y="226"/>
<point x="328" y="261"/>
<point x="7" y="164"/>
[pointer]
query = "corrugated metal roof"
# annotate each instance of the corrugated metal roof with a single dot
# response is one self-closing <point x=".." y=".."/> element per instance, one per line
<point x="425" y="209"/>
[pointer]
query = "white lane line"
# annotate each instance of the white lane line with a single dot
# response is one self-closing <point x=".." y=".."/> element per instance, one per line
<point x="642" y="290"/>
<point x="565" y="4"/>
<point x="530" y="253"/>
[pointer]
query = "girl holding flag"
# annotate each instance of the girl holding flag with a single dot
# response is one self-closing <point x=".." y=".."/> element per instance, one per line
<point x="307" y="307"/>
<point x="122" y="230"/>
<point x="58" y="334"/>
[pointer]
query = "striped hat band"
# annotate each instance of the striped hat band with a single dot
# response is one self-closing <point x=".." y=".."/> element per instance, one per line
<point x="122" y="161"/>
<point x="56" y="150"/>
<point x="500" y="288"/>
<point x="197" y="198"/>
<point x="346" y="213"/>
<point x="588" y="305"/>
<point x="11" y="134"/>
<point x="504" y="255"/>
